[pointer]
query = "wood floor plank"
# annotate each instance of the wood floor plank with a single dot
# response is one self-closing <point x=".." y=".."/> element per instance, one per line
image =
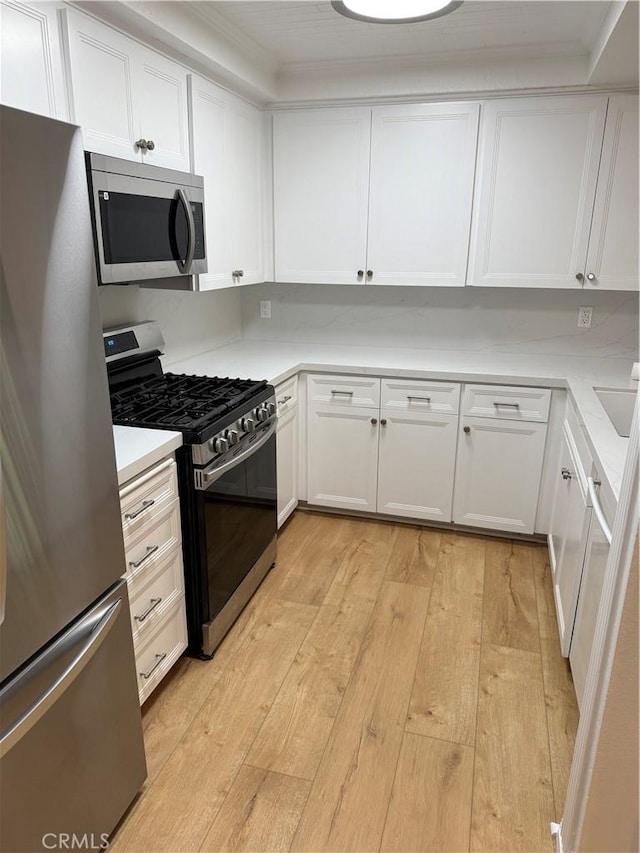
<point x="169" y="711"/>
<point x="513" y="795"/>
<point x="295" y="733"/>
<point x="260" y="814"/>
<point x="414" y="556"/>
<point x="559" y="692"/>
<point x="430" y="806"/>
<point x="510" y="616"/>
<point x="445" y="694"/>
<point x="348" y="801"/>
<point x="192" y="785"/>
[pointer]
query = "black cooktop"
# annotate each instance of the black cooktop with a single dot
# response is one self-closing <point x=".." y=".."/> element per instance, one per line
<point x="189" y="404"/>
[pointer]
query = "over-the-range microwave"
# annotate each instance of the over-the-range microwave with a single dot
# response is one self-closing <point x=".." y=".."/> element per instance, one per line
<point x="148" y="222"/>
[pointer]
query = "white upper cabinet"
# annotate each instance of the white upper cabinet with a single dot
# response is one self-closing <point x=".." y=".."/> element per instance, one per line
<point x="123" y="93"/>
<point x="228" y="151"/>
<point x="421" y="190"/>
<point x="321" y="189"/>
<point x="612" y="260"/>
<point x="31" y="73"/>
<point x="536" y="183"/>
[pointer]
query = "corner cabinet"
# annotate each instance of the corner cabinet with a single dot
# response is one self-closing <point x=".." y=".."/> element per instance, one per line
<point x="130" y="101"/>
<point x="382" y="195"/>
<point x="501" y="447"/>
<point x="31" y="71"/>
<point x="538" y="166"/>
<point x="228" y="151"/>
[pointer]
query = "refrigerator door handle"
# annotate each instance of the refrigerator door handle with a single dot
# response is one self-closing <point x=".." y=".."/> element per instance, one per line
<point x="19" y="729"/>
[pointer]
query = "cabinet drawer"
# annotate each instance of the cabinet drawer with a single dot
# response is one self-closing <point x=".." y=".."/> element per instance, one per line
<point x="158" y="654"/>
<point x="418" y="395"/>
<point x="287" y="395"/>
<point x="153" y="594"/>
<point x="146" y="498"/>
<point x="507" y="402"/>
<point x="345" y="391"/>
<point x="149" y="546"/>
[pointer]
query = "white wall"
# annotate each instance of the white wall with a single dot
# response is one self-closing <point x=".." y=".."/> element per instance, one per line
<point x="475" y="319"/>
<point x="191" y="323"/>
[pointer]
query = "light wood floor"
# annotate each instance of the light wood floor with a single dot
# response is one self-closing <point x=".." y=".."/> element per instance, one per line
<point x="387" y="688"/>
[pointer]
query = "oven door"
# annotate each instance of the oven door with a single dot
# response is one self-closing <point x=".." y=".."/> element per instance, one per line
<point x="146" y="229"/>
<point x="237" y="506"/>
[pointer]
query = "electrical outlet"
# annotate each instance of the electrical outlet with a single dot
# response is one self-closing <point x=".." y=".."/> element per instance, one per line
<point x="584" y="317"/>
<point x="265" y="310"/>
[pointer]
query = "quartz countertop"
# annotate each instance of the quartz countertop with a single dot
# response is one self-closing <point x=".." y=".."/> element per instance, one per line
<point x="138" y="449"/>
<point x="278" y="361"/>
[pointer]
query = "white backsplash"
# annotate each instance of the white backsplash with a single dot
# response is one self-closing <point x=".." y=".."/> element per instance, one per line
<point x="474" y="319"/>
<point x="191" y="323"/>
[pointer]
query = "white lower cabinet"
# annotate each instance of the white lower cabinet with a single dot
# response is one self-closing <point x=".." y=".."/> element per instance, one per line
<point x="342" y="456"/>
<point x="416" y="464"/>
<point x="498" y="470"/>
<point x="154" y="572"/>
<point x="287" y="448"/>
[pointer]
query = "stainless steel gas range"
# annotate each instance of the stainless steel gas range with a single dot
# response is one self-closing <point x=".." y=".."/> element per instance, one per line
<point x="226" y="473"/>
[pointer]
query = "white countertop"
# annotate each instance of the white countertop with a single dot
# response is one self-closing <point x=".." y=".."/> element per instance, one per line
<point x="278" y="361"/>
<point x="138" y="449"/>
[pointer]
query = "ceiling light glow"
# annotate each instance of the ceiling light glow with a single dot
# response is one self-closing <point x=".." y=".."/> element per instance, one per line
<point x="395" y="11"/>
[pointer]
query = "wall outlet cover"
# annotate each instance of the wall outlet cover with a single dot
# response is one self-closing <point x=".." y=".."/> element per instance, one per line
<point x="584" y="317"/>
<point x="265" y="309"/>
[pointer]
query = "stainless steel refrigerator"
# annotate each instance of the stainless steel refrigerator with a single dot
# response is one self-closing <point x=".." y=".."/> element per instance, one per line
<point x="71" y="749"/>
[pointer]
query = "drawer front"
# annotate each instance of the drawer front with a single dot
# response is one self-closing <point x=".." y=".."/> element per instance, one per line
<point x="418" y="395"/>
<point x="287" y="396"/>
<point x="148" y="547"/>
<point x="507" y="402"/>
<point x="162" y="649"/>
<point x="345" y="391"/>
<point x="143" y="500"/>
<point x="154" y="595"/>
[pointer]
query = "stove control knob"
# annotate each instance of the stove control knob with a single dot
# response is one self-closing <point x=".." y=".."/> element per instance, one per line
<point x="262" y="413"/>
<point x="271" y="408"/>
<point x="232" y="436"/>
<point x="220" y="445"/>
<point x="248" y="424"/>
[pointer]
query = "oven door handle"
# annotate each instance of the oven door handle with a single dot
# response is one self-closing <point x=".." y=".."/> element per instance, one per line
<point x="185" y="266"/>
<point x="203" y="479"/>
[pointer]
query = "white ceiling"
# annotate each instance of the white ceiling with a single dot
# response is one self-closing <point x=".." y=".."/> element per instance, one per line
<point x="302" y="32"/>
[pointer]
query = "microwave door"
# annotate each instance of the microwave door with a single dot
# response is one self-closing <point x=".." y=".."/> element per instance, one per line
<point x="146" y="229"/>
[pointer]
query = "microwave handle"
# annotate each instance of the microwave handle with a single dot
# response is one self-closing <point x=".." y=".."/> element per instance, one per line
<point x="185" y="266"/>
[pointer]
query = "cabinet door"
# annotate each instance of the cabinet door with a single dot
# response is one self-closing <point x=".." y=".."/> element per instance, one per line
<point x="569" y="526"/>
<point x="102" y="65"/>
<point x="31" y="76"/>
<point x="421" y="190"/>
<point x="498" y="470"/>
<point x="246" y="151"/>
<point x="613" y="245"/>
<point x="161" y="99"/>
<point x="536" y="182"/>
<point x="595" y="563"/>
<point x="210" y="138"/>
<point x="287" y="457"/>
<point x="321" y="189"/>
<point x="342" y="457"/>
<point x="416" y="463"/>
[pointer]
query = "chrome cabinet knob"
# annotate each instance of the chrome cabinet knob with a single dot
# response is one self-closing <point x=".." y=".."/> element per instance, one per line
<point x="248" y="424"/>
<point x="590" y="276"/>
<point x="142" y="144"/>
<point x="466" y="429"/>
<point x="220" y="445"/>
<point x="566" y="474"/>
<point x="237" y="273"/>
<point x="232" y="436"/>
<point x="360" y="273"/>
<point x="383" y="422"/>
<point x="374" y="421"/>
<point x="369" y="273"/>
<point x="579" y="276"/>
<point x="150" y="145"/>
